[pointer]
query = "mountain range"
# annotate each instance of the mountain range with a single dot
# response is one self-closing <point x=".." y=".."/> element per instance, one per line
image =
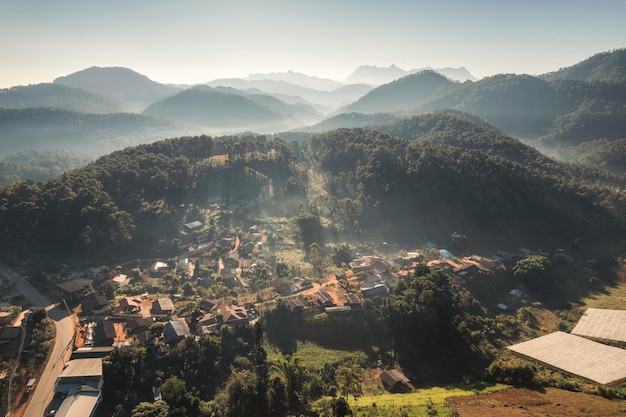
<point x="561" y="111"/>
<point x="374" y="75"/>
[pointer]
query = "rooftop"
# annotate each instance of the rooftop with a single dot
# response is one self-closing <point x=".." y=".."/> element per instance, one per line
<point x="602" y="324"/>
<point x="82" y="368"/>
<point x="579" y="356"/>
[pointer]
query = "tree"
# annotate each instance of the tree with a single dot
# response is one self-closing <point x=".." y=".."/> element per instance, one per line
<point x="533" y="270"/>
<point x="38" y="314"/>
<point x="159" y="408"/>
<point x="340" y="407"/>
<point x="342" y="254"/>
<point x="349" y="379"/>
<point x="316" y="259"/>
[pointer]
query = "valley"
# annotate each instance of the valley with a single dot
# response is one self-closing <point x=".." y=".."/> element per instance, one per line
<point x="283" y="244"/>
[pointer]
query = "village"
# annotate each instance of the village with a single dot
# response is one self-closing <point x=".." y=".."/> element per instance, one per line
<point x="227" y="281"/>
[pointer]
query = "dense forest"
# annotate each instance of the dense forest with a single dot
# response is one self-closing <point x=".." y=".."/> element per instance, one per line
<point x="429" y="176"/>
<point x="130" y="197"/>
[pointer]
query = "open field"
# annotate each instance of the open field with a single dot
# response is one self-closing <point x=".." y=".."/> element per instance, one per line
<point x="313" y="356"/>
<point x="552" y="402"/>
<point x="417" y="403"/>
<point x="614" y="298"/>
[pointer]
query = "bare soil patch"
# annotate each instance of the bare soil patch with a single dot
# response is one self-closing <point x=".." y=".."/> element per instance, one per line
<point x="553" y="402"/>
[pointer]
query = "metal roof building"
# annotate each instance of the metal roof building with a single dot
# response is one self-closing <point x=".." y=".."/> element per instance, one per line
<point x="602" y="324"/>
<point x="576" y="355"/>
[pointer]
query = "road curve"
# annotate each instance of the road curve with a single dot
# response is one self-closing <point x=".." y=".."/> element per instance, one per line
<point x="64" y="323"/>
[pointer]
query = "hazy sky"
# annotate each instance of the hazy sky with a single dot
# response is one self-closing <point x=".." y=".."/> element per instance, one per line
<point x="198" y="41"/>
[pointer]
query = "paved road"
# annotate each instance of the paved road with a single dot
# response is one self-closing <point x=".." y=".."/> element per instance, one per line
<point x="62" y="346"/>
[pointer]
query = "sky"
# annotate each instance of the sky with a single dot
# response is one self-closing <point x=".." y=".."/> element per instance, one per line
<point x="187" y="42"/>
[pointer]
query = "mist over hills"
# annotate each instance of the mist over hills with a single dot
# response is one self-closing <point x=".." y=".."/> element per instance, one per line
<point x="297" y="78"/>
<point x="44" y="128"/>
<point x="560" y="112"/>
<point x="451" y="174"/>
<point x="331" y="99"/>
<point x="231" y="109"/>
<point x="60" y="97"/>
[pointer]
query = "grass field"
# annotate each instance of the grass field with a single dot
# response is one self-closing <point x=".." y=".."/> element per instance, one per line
<point x="614" y="298"/>
<point x="421" y="402"/>
<point x="313" y="356"/>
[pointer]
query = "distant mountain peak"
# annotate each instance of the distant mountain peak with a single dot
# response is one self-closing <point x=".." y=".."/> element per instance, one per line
<point x="374" y="75"/>
<point x="118" y="82"/>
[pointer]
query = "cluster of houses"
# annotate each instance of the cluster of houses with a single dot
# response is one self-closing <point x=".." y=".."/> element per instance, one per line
<point x="78" y="389"/>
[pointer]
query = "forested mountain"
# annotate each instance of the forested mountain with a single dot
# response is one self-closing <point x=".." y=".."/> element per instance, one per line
<point x="132" y="196"/>
<point x="448" y="174"/>
<point x="604" y="66"/>
<point x="351" y="120"/>
<point x="121" y="83"/>
<point x="39" y="165"/>
<point x="374" y="75"/>
<point x="561" y="112"/>
<point x="402" y="94"/>
<point x="214" y="109"/>
<point x="58" y="97"/>
<point x="93" y="134"/>
<point x="297" y="111"/>
<point x="608" y="155"/>
<point x="417" y="189"/>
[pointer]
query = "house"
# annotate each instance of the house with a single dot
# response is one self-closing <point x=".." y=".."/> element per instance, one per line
<point x="143" y="338"/>
<point x="485" y="262"/>
<point x="231" y="260"/>
<point x="466" y="271"/>
<point x="129" y="305"/>
<point x="138" y="324"/>
<point x="10" y="333"/>
<point x="325" y="299"/>
<point x="206" y="320"/>
<point x="297" y="305"/>
<point x="120" y="279"/>
<point x="74" y="290"/>
<point x="253" y="229"/>
<point x="340" y="274"/>
<point x="233" y="315"/>
<point x="104" y="333"/>
<point x="337" y="309"/>
<point x="162" y="306"/>
<point x="191" y="226"/>
<point x="225" y="244"/>
<point x="6" y="318"/>
<point x="377" y="263"/>
<point x="95" y="303"/>
<point x="247" y="248"/>
<point x="80" y="372"/>
<point x="353" y="301"/>
<point x="175" y="331"/>
<point x="376" y="291"/>
<point x="159" y="268"/>
<point x="395" y="381"/>
<point x="360" y="265"/>
<point x="207" y="305"/>
<point x="231" y="281"/>
<point x="91" y="352"/>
